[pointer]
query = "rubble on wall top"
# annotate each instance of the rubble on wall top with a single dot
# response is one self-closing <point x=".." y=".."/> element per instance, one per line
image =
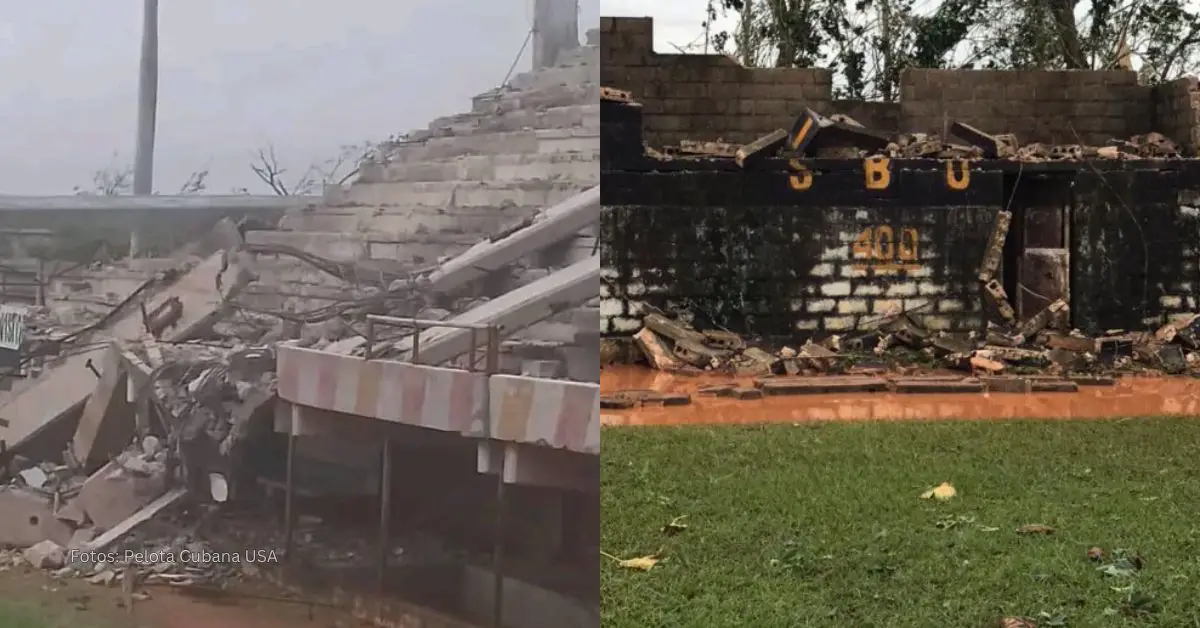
<point x="839" y="136"/>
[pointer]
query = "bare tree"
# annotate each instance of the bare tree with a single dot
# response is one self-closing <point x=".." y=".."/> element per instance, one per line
<point x="117" y="180"/>
<point x="337" y="170"/>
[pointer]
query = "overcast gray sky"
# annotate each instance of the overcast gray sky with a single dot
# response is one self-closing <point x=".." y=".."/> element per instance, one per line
<point x="306" y="75"/>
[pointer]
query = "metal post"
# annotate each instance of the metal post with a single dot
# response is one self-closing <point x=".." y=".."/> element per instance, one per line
<point x="143" y="171"/>
<point x="492" y="360"/>
<point x="370" y="348"/>
<point x="289" y="512"/>
<point x="385" y="509"/>
<point x="416" y="349"/>
<point x="471" y="364"/>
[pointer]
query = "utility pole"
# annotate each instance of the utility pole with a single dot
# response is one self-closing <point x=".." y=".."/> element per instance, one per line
<point x="143" y="168"/>
<point x="147" y="114"/>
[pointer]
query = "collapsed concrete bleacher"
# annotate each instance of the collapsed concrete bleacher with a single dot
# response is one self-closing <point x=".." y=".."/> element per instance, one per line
<point x="468" y="179"/>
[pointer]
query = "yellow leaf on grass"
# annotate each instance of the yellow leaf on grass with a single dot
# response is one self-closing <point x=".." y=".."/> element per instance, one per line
<point x="942" y="492"/>
<point x="641" y="563"/>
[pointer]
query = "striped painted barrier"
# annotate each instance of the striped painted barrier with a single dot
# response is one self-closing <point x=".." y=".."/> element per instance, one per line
<point x="425" y="396"/>
<point x="546" y="412"/>
<point x="527" y="410"/>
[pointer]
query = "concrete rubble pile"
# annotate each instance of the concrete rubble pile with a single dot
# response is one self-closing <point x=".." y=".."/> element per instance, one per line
<point x="898" y="354"/>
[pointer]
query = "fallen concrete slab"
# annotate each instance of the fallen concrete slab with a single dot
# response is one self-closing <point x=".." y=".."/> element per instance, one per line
<point x="115" y="492"/>
<point x="143" y="515"/>
<point x="512" y="311"/>
<point x="553" y="225"/>
<point x="107" y="424"/>
<point x="66" y="385"/>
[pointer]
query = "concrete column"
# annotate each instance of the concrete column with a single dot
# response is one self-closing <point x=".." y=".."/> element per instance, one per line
<point x="555" y="29"/>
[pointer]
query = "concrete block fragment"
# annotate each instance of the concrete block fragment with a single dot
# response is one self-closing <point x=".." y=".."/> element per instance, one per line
<point x="27" y="518"/>
<point x="45" y="555"/>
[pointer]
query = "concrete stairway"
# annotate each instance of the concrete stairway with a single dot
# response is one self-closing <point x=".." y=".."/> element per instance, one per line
<point x="466" y="177"/>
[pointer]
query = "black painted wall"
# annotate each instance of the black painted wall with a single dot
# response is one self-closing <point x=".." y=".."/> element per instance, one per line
<point x="740" y="249"/>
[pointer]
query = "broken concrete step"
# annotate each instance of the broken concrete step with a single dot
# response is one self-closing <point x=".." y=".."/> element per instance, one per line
<point x="515" y="310"/>
<point x="820" y="385"/>
<point x="582" y="168"/>
<point x="575" y="75"/>
<point x="481" y="222"/>
<point x="513" y="143"/>
<point x="502" y="101"/>
<point x="938" y="386"/>
<point x="571" y="116"/>
<point x="341" y="246"/>
<point x="556" y="225"/>
<point x="456" y="193"/>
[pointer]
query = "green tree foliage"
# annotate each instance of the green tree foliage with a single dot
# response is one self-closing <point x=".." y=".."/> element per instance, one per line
<point x="868" y="43"/>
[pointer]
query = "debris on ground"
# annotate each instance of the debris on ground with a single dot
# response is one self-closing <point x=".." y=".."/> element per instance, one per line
<point x="899" y="354"/>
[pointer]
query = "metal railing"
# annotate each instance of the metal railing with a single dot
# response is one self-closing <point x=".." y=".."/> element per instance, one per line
<point x="417" y="325"/>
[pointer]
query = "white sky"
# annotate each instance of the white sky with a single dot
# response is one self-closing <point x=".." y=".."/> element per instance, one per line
<point x="306" y="75"/>
<point x="678" y="24"/>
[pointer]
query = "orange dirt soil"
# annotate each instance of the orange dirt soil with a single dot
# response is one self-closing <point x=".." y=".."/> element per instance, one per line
<point x="1129" y="397"/>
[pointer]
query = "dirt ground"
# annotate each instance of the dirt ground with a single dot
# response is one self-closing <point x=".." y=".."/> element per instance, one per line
<point x="1128" y="397"/>
<point x="68" y="603"/>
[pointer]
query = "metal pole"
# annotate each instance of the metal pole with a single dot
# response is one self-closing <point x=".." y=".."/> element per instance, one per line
<point x="385" y="509"/>
<point x="143" y="167"/>
<point x="289" y="513"/>
<point x="492" y="361"/>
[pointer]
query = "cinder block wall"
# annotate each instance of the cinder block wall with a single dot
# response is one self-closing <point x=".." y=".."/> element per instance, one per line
<point x="704" y="96"/>
<point x="714" y="97"/>
<point x="1177" y="112"/>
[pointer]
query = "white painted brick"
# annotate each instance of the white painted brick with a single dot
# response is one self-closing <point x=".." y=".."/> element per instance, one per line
<point x="610" y="308"/>
<point x="836" y="288"/>
<point x="636" y="308"/>
<point x="935" y="323"/>
<point x="886" y="306"/>
<point x="822" y="270"/>
<point x="621" y="324"/>
<point x="821" y="306"/>
<point x="635" y="289"/>
<point x="806" y="324"/>
<point x="901" y="289"/>
<point x="930" y="288"/>
<point x="921" y="272"/>
<point x="867" y="290"/>
<point x="852" y="306"/>
<point x="837" y="253"/>
<point x="950" y="305"/>
<point x="840" y="323"/>
<point x="605" y="292"/>
<point x="1170" y="301"/>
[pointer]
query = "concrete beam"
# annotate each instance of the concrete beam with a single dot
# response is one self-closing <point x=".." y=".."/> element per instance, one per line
<point x="555" y="224"/>
<point x="223" y="202"/>
<point x="513" y="311"/>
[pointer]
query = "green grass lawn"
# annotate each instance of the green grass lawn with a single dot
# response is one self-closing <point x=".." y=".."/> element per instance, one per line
<point x="823" y="524"/>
